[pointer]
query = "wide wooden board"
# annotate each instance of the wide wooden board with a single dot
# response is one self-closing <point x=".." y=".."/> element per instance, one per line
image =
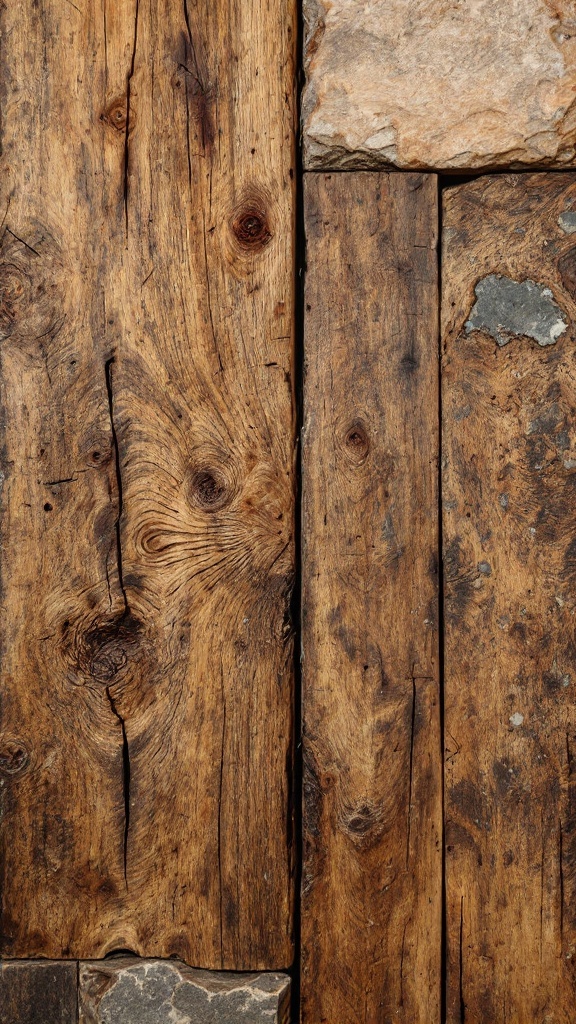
<point x="509" y="497"/>
<point x="146" y="279"/>
<point x="371" y="898"/>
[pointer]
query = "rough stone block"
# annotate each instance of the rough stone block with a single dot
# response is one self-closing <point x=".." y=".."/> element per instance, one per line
<point x="38" y="992"/>
<point x="133" y="991"/>
<point x="440" y="84"/>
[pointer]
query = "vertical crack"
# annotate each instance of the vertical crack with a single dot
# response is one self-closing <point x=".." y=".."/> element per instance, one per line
<point x="118" y="523"/>
<point x="412" y="724"/>
<point x="127" y="131"/>
<point x="561" y="879"/>
<point x="209" y="297"/>
<point x="222" y="744"/>
<point x="126" y="611"/>
<point x="402" y="964"/>
<point x="542" y="880"/>
<point x="441" y="626"/>
<point x="461" y="965"/>
<point x="125" y="778"/>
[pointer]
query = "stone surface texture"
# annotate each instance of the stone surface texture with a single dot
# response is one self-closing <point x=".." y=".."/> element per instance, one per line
<point x="133" y="991"/>
<point x="440" y="84"/>
<point x="506" y="309"/>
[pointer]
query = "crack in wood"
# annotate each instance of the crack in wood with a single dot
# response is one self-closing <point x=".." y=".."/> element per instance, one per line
<point x="120" y="497"/>
<point x="125" y="778"/>
<point x="126" y="612"/>
<point x="127" y="131"/>
<point x="412" y="724"/>
<point x="220" y="785"/>
<point x="461" y="964"/>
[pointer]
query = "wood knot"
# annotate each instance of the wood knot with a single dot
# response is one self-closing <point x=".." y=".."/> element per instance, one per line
<point x="361" y="821"/>
<point x="105" y="650"/>
<point x="356" y="442"/>
<point x="33" y="286"/>
<point x="13" y="289"/>
<point x="116" y="114"/>
<point x="409" y="364"/>
<point x="13" y="756"/>
<point x="96" y="449"/>
<point x="211" y="490"/>
<point x="363" y="824"/>
<point x="250" y="227"/>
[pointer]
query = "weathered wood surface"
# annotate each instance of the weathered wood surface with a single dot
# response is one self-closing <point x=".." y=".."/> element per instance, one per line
<point x="146" y="281"/>
<point x="509" y="490"/>
<point x="38" y="992"/>
<point x="371" y="910"/>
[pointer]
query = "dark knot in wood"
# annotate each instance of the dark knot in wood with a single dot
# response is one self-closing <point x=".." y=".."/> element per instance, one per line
<point x="211" y="491"/>
<point x="116" y="114"/>
<point x="13" y="756"/>
<point x="12" y="294"/>
<point x="251" y="229"/>
<point x="104" y="651"/>
<point x="356" y="442"/>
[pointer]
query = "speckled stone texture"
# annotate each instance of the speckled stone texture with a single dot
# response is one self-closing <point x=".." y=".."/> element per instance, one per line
<point x="132" y="991"/>
<point x="440" y="84"/>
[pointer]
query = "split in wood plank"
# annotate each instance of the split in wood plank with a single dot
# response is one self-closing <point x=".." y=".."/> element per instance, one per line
<point x="146" y="346"/>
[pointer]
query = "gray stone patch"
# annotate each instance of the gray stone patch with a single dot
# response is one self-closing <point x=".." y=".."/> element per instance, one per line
<point x="133" y="991"/>
<point x="507" y="309"/>
<point x="567" y="222"/>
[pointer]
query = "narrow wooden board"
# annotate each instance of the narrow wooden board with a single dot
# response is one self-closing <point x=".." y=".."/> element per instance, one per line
<point x="146" y="340"/>
<point x="371" y="901"/>
<point x="38" y="992"/>
<point x="509" y="497"/>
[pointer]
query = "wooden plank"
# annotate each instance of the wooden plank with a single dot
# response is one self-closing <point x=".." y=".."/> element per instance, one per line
<point x="371" y="911"/>
<point x="38" y="992"/>
<point x="147" y="460"/>
<point x="509" y="483"/>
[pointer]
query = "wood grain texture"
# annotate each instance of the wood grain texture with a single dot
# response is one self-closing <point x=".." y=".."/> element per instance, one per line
<point x="38" y="992"/>
<point x="509" y="488"/>
<point x="371" y="910"/>
<point x="146" y="278"/>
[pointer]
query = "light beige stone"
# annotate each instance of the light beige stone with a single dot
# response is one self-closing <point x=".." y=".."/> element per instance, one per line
<point x="440" y="84"/>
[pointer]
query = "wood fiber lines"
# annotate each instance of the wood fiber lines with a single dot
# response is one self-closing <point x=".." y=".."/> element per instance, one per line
<point x="146" y="345"/>
<point x="509" y="488"/>
<point x="371" y="898"/>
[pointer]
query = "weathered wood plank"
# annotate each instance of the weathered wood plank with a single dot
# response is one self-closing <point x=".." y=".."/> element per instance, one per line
<point x="147" y="284"/>
<point x="371" y="912"/>
<point x="509" y="488"/>
<point x="38" y="992"/>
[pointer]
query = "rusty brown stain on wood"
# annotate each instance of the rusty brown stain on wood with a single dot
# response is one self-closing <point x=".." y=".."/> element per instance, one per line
<point x="146" y="296"/>
<point x="509" y="487"/>
<point x="371" y="901"/>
